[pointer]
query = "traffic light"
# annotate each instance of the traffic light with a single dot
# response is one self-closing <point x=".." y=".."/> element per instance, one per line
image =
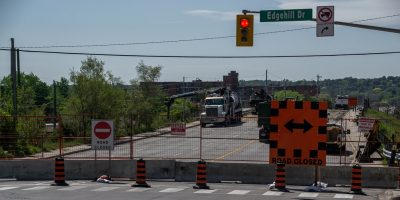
<point x="244" y="30"/>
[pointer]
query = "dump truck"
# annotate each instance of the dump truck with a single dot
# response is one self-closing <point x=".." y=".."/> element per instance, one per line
<point x="221" y="107"/>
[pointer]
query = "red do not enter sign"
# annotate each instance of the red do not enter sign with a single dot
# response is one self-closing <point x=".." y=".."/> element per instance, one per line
<point x="102" y="130"/>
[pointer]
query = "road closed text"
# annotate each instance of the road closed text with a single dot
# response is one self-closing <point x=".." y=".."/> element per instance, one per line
<point x="297" y="161"/>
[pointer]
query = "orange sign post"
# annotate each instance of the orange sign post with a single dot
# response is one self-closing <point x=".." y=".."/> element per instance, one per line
<point x="298" y="133"/>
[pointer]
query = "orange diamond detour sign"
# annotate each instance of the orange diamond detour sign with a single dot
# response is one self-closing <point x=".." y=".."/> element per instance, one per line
<point x="298" y="133"/>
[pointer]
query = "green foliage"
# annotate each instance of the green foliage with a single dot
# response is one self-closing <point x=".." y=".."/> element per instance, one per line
<point x="146" y="99"/>
<point x="5" y="154"/>
<point x="389" y="125"/>
<point x="181" y="110"/>
<point x="284" y="94"/>
<point x="32" y="94"/>
<point x="95" y="93"/>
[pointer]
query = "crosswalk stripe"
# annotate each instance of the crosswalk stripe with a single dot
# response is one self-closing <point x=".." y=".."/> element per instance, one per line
<point x="7" y="188"/>
<point x="38" y="188"/>
<point x="239" y="192"/>
<point x="343" y="196"/>
<point x="104" y="189"/>
<point x="172" y="190"/>
<point x="74" y="187"/>
<point x="308" y="195"/>
<point x="138" y="189"/>
<point x="204" y="191"/>
<point x="273" y="193"/>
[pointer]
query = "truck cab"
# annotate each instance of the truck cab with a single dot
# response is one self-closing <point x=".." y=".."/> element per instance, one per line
<point x="215" y="111"/>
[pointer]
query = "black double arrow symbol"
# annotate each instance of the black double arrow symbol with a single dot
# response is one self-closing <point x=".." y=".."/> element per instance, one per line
<point x="290" y="125"/>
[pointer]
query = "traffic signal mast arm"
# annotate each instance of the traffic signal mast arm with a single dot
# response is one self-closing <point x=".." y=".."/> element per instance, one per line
<point x="376" y="28"/>
<point x="363" y="26"/>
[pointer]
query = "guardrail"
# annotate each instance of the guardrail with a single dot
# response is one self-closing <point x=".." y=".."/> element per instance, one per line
<point x="388" y="154"/>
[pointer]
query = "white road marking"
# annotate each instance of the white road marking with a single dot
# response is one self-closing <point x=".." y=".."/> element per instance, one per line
<point x="308" y="195"/>
<point x="172" y="190"/>
<point x="343" y="196"/>
<point x="75" y="187"/>
<point x="273" y="193"/>
<point x="104" y="189"/>
<point x="138" y="189"/>
<point x="239" y="192"/>
<point x="38" y="188"/>
<point x="7" y="188"/>
<point x="204" y="191"/>
<point x="102" y="130"/>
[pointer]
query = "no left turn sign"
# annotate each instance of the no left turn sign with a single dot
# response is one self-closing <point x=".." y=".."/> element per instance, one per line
<point x="325" y="15"/>
<point x="102" y="135"/>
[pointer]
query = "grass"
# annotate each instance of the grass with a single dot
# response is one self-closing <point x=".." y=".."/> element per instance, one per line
<point x="389" y="125"/>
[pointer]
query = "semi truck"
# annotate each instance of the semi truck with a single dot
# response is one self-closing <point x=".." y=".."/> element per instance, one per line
<point x="345" y="102"/>
<point x="221" y="107"/>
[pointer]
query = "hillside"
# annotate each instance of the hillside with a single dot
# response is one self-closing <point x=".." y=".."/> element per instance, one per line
<point x="380" y="91"/>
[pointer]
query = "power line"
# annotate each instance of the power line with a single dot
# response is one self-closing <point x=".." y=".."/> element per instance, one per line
<point x="207" y="57"/>
<point x="184" y="40"/>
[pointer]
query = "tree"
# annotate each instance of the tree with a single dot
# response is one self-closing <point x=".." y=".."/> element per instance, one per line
<point x="94" y="94"/>
<point x="146" y="97"/>
<point x="32" y="95"/>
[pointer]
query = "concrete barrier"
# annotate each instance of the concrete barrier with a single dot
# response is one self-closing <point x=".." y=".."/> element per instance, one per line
<point x="27" y="169"/>
<point x="378" y="177"/>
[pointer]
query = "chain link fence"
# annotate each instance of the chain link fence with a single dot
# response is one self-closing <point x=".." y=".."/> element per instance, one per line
<point x="37" y="137"/>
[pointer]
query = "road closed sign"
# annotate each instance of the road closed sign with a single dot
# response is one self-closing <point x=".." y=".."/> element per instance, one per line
<point x="298" y="133"/>
<point x="102" y="135"/>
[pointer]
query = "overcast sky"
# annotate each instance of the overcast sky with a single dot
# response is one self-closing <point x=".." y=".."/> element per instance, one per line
<point x="78" y="22"/>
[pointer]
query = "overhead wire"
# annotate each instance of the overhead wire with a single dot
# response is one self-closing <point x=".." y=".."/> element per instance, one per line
<point x="208" y="57"/>
<point x="184" y="40"/>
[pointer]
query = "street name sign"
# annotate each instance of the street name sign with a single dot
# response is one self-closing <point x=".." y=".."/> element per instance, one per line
<point x="102" y="135"/>
<point x="285" y="15"/>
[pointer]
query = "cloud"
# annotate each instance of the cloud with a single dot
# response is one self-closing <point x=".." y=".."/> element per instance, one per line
<point x="353" y="10"/>
<point x="214" y="14"/>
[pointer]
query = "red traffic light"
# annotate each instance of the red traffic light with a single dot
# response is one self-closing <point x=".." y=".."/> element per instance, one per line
<point x="244" y="23"/>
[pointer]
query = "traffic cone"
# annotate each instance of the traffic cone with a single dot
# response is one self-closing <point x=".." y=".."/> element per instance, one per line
<point x="280" y="176"/>
<point x="141" y="174"/>
<point x="356" y="179"/>
<point x="59" y="174"/>
<point x="201" y="177"/>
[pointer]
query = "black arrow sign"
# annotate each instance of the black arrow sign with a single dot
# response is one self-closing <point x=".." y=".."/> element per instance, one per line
<point x="324" y="29"/>
<point x="290" y="125"/>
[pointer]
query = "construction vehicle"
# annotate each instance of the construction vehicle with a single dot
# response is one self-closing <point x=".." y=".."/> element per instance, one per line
<point x="345" y="102"/>
<point x="256" y="98"/>
<point x="221" y="107"/>
<point x="336" y="140"/>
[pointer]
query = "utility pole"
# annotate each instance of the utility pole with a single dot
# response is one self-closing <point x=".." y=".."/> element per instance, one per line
<point x="55" y="106"/>
<point x="318" y="91"/>
<point x="18" y="69"/>
<point x="266" y="81"/>
<point x="13" y="79"/>
<point x="184" y="100"/>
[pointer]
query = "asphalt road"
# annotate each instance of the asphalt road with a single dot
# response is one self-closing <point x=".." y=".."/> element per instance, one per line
<point x="236" y="142"/>
<point x="41" y="190"/>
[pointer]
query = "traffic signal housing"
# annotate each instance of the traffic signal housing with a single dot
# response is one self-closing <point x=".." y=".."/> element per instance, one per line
<point x="244" y="30"/>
